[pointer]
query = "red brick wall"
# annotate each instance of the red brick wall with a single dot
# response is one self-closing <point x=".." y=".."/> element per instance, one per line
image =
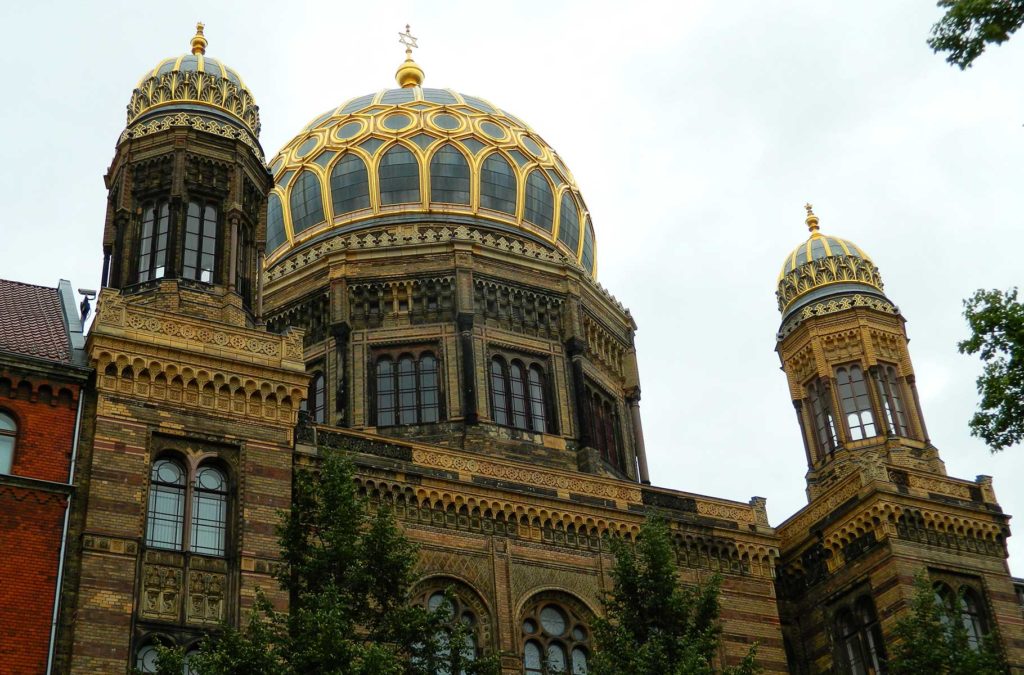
<point x="31" y="520"/>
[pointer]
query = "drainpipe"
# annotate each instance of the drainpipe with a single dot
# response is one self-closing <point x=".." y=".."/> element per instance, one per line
<point x="64" y="533"/>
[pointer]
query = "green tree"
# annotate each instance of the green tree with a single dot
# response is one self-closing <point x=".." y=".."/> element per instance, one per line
<point x="996" y="319"/>
<point x="968" y="26"/>
<point x="932" y="639"/>
<point x="348" y="571"/>
<point x="655" y="625"/>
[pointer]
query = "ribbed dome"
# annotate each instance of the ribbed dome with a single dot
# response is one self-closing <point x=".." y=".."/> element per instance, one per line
<point x="824" y="266"/>
<point x="194" y="90"/>
<point x="421" y="154"/>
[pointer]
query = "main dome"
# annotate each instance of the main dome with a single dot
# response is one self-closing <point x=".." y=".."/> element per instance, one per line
<point x="417" y="154"/>
<point x="197" y="91"/>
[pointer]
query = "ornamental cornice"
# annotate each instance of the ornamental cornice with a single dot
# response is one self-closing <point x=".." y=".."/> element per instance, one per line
<point x="201" y="88"/>
<point x="824" y="271"/>
<point x="198" y="122"/>
<point x="832" y="305"/>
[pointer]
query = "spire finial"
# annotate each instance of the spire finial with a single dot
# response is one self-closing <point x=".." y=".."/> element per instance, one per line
<point x="409" y="74"/>
<point x="199" y="40"/>
<point x="812" y="220"/>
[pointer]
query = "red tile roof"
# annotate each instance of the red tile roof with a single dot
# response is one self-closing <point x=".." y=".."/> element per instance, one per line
<point x="32" y="322"/>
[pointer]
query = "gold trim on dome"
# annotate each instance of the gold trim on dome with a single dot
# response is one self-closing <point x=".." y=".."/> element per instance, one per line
<point x="468" y="138"/>
<point x="826" y="271"/>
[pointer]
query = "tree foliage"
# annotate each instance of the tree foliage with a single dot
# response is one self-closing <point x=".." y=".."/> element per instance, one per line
<point x="968" y="26"/>
<point x="933" y="640"/>
<point x="654" y="625"/>
<point x="996" y="320"/>
<point x="349" y="573"/>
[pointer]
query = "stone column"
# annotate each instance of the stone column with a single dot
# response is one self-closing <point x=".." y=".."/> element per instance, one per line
<point x="575" y="348"/>
<point x="633" y="400"/>
<point x="912" y="381"/>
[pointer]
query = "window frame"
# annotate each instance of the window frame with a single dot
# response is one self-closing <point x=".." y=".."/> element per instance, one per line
<point x="11" y="434"/>
<point x="892" y="396"/>
<point x="190" y="495"/>
<point x="858" y="641"/>
<point x="198" y="268"/>
<point x="605" y="424"/>
<point x="861" y="407"/>
<point x="421" y="408"/>
<point x="575" y="616"/>
<point x="508" y="364"/>
<point x="149" y="247"/>
<point x="822" y="418"/>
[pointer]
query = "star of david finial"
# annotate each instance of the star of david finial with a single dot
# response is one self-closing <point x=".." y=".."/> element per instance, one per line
<point x="812" y="220"/>
<point x="408" y="40"/>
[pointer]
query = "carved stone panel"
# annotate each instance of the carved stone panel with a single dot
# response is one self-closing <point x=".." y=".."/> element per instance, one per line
<point x="161" y="592"/>
<point x="205" y="597"/>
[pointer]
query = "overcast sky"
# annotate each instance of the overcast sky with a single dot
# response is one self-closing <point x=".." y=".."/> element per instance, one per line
<point x="696" y="132"/>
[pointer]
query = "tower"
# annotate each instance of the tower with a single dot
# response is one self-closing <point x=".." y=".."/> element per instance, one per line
<point x="186" y="450"/>
<point x="881" y="507"/>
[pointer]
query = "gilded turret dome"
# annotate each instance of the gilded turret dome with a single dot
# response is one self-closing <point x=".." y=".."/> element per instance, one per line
<point x="194" y="90"/>
<point x="825" y="273"/>
<point x="416" y="154"/>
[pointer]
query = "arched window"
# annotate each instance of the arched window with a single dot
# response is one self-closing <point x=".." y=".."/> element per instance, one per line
<point x="499" y="392"/>
<point x="569" y="223"/>
<point x="209" y="511"/>
<point x="8" y="434"/>
<point x="604" y="426"/>
<point x="408" y="389"/>
<point x="449" y="176"/>
<point x="821" y="413"/>
<point x="275" y="223"/>
<point x="166" y="517"/>
<point x="518" y="394"/>
<point x="306" y="202"/>
<point x="853" y="395"/>
<point x="145" y="659"/>
<point x="972" y="616"/>
<point x="539" y="208"/>
<point x="318" y="398"/>
<point x="859" y="636"/>
<point x="399" y="177"/>
<point x="556" y="639"/>
<point x="206" y="497"/>
<point x="498" y="185"/>
<point x="588" y="247"/>
<point x="200" y="243"/>
<point x="153" y="242"/>
<point x="350" y="185"/>
<point x="890" y="394"/>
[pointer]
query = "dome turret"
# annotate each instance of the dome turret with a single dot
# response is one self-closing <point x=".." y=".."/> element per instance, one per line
<point x="197" y="91"/>
<point x="825" y="269"/>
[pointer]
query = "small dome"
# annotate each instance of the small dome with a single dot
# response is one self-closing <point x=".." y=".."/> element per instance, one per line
<point x="194" y="90"/>
<point x="418" y="154"/>
<point x="824" y="266"/>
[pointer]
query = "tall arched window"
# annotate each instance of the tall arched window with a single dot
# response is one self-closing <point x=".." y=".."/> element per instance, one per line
<point x="966" y="607"/>
<point x="175" y="498"/>
<point x="318" y="398"/>
<point x="861" y="651"/>
<point x="556" y="638"/>
<point x="821" y="414"/>
<point x="539" y="208"/>
<point x="588" y="247"/>
<point x="200" y="243"/>
<point x="518" y="394"/>
<point x="604" y="426"/>
<point x="408" y="389"/>
<point x="853" y="396"/>
<point x="498" y="185"/>
<point x="166" y="517"/>
<point x="275" y="223"/>
<point x="399" y="177"/>
<point x="209" y="511"/>
<point x="350" y="185"/>
<point x="306" y="202"/>
<point x="569" y="223"/>
<point x="890" y="394"/>
<point x="8" y="434"/>
<point x="449" y="176"/>
<point x="153" y="242"/>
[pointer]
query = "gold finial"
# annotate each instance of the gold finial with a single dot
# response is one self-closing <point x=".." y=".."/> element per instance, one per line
<point x="199" y="40"/>
<point x="812" y="220"/>
<point x="409" y="74"/>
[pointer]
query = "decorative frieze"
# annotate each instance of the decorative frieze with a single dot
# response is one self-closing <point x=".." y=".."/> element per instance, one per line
<point x="161" y="592"/>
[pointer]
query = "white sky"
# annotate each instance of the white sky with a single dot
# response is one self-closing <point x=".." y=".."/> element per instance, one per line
<point x="696" y="131"/>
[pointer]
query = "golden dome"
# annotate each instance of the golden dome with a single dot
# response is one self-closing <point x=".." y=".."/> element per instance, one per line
<point x="194" y="90"/>
<point x="419" y="155"/>
<point x="824" y="266"/>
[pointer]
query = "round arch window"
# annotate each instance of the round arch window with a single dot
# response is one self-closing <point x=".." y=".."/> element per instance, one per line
<point x="556" y="638"/>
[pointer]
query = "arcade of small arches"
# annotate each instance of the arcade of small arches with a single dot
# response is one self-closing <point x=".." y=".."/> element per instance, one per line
<point x="26" y="390"/>
<point x="201" y="388"/>
<point x="457" y="511"/>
